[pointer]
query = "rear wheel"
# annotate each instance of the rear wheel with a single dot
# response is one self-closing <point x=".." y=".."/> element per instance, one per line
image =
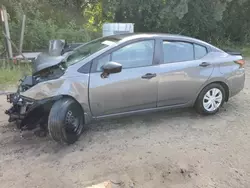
<point x="211" y="98"/>
<point x="65" y="123"/>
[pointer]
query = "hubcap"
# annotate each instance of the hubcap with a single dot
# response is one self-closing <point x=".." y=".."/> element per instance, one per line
<point x="72" y="123"/>
<point x="212" y="100"/>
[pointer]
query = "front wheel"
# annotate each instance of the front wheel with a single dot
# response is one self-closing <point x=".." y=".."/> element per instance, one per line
<point x="211" y="98"/>
<point x="65" y="123"/>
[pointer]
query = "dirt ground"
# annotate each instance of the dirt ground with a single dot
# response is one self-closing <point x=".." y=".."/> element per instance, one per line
<point x="177" y="149"/>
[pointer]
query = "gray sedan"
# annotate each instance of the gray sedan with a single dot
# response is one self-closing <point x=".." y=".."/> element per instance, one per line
<point x="123" y="75"/>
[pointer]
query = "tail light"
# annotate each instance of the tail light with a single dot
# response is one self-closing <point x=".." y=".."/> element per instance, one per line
<point x="240" y="62"/>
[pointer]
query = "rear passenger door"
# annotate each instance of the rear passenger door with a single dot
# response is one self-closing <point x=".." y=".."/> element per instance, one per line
<point x="182" y="72"/>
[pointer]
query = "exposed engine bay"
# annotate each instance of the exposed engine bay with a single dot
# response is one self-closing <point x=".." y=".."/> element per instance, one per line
<point x="41" y="76"/>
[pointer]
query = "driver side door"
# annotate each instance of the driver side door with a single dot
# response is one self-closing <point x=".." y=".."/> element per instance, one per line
<point x="133" y="88"/>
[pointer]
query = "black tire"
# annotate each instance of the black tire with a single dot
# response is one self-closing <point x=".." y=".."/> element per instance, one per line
<point x="65" y="122"/>
<point x="199" y="102"/>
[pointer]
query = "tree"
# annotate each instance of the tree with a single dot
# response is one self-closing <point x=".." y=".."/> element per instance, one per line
<point x="210" y="20"/>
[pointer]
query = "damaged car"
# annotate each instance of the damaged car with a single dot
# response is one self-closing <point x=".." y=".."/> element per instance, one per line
<point x="122" y="75"/>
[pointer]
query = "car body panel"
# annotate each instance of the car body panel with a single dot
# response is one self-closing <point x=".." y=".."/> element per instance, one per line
<point x="125" y="93"/>
<point x="142" y="111"/>
<point x="44" y="60"/>
<point x="180" y="81"/>
<point x="75" y="87"/>
<point x="236" y="82"/>
<point x="187" y="77"/>
<point x="122" y="92"/>
<point x="119" y="92"/>
<point x="226" y="71"/>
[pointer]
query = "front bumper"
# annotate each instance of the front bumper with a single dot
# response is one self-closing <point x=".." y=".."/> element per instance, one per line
<point x="28" y="112"/>
<point x="20" y="107"/>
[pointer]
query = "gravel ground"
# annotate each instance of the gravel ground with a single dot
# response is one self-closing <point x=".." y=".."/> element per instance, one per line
<point x="178" y="149"/>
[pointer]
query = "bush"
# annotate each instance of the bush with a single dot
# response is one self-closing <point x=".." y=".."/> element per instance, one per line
<point x="44" y="22"/>
<point x="38" y="33"/>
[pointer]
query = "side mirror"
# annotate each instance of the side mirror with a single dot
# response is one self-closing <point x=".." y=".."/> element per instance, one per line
<point x="112" y="67"/>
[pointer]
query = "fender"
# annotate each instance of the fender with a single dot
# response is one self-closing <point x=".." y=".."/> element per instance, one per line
<point x="216" y="76"/>
<point x="70" y="87"/>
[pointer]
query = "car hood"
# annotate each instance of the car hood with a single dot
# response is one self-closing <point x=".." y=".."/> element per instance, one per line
<point x="45" y="60"/>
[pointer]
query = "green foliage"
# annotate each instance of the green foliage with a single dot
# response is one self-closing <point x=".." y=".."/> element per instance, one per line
<point x="93" y="16"/>
<point x="46" y="20"/>
<point x="39" y="32"/>
<point x="213" y="20"/>
<point x="81" y="20"/>
<point x="245" y="51"/>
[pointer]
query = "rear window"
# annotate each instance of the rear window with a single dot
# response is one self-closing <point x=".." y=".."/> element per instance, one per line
<point x="177" y="51"/>
<point x="200" y="51"/>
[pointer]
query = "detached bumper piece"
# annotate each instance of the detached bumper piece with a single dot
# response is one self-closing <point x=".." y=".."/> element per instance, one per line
<point x="15" y="112"/>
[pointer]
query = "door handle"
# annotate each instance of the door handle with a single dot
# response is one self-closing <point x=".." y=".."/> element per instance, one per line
<point x="204" y="64"/>
<point x="149" y="76"/>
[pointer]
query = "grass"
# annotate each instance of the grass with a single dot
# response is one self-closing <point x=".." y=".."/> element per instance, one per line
<point x="246" y="51"/>
<point x="11" y="73"/>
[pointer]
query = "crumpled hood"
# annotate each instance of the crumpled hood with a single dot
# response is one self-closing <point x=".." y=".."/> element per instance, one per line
<point x="45" y="60"/>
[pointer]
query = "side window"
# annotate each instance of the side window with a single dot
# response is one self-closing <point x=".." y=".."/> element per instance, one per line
<point x="102" y="61"/>
<point x="138" y="54"/>
<point x="200" y="51"/>
<point x="177" y="51"/>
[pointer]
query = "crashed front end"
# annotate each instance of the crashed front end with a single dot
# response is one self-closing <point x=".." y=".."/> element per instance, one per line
<point x="30" y="113"/>
<point x="20" y="108"/>
<point x="36" y="94"/>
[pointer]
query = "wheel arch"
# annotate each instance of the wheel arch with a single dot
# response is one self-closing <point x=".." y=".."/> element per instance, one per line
<point x="222" y="82"/>
<point x="226" y="88"/>
<point x="52" y="100"/>
<point x="77" y="102"/>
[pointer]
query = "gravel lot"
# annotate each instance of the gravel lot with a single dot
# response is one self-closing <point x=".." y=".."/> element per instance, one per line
<point x="178" y="149"/>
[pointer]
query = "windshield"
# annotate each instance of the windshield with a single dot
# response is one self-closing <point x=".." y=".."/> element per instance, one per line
<point x="90" y="48"/>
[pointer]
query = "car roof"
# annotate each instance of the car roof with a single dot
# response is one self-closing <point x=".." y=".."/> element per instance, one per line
<point x="130" y="36"/>
<point x="133" y="36"/>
